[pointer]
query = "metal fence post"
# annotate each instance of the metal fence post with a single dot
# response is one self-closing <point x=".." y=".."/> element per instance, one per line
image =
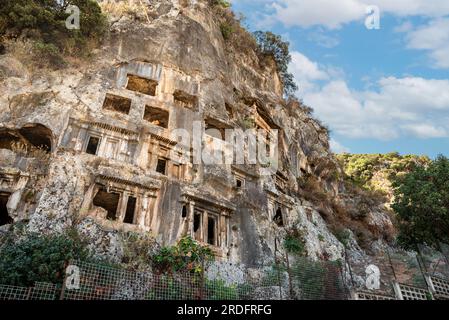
<point x="397" y="290"/>
<point x="277" y="265"/>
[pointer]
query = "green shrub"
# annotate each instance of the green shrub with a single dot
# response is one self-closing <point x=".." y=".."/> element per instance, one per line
<point x="343" y="235"/>
<point x="226" y="30"/>
<point x="361" y="168"/>
<point x="309" y="277"/>
<point x="270" y="44"/>
<point x="48" y="53"/>
<point x="218" y="290"/>
<point x="295" y="242"/>
<point x="186" y="256"/>
<point x="41" y="258"/>
<point x="136" y="250"/>
<point x="221" y="3"/>
<point x="44" y="21"/>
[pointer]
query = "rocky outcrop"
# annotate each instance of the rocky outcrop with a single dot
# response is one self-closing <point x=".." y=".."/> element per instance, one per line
<point x="114" y="159"/>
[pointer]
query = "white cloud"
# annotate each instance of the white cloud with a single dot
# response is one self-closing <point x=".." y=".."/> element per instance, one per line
<point x="306" y="72"/>
<point x="323" y="40"/>
<point x="333" y="14"/>
<point x="433" y="37"/>
<point x="430" y="8"/>
<point x="329" y="13"/>
<point x="337" y="147"/>
<point x="425" y="130"/>
<point x="404" y="27"/>
<point x="396" y="107"/>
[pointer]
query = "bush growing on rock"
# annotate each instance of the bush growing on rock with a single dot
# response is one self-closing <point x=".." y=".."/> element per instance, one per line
<point x="186" y="256"/>
<point x="44" y="21"/>
<point x="39" y="258"/>
<point x="270" y="44"/>
<point x="295" y="242"/>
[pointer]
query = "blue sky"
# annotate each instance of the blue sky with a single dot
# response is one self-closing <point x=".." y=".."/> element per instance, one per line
<point x="378" y="90"/>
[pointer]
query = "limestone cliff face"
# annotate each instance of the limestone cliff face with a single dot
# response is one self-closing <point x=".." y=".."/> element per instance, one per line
<point x="113" y="163"/>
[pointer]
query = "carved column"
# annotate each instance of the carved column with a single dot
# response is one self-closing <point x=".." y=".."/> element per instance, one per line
<point x="222" y="230"/>
<point x="203" y="236"/>
<point x="190" y="217"/>
<point x="121" y="211"/>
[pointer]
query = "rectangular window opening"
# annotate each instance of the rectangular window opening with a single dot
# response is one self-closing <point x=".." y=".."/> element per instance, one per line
<point x="142" y="85"/>
<point x="239" y="183"/>
<point x="197" y="225"/>
<point x="117" y="103"/>
<point x="108" y="201"/>
<point x="211" y="231"/>
<point x="130" y="210"/>
<point x="156" y="116"/>
<point x="278" y="218"/>
<point x="161" y="166"/>
<point x="4" y="215"/>
<point x="92" y="145"/>
<point x="184" y="99"/>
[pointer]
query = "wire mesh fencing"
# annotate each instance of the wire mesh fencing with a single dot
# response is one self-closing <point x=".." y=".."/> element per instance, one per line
<point x="96" y="282"/>
<point x="372" y="275"/>
<point x="399" y="274"/>
<point x="307" y="280"/>
<point x="40" y="291"/>
<point x="434" y="262"/>
<point x="408" y="269"/>
<point x="396" y="274"/>
<point x="318" y="280"/>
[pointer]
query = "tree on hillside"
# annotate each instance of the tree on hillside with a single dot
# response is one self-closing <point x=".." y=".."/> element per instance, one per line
<point x="271" y="44"/>
<point x="422" y="205"/>
<point x="44" y="22"/>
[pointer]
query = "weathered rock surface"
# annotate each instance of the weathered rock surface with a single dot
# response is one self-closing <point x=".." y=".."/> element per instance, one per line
<point x="120" y="186"/>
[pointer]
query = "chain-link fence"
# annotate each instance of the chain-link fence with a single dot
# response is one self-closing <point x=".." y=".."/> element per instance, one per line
<point x="396" y="274"/>
<point x="41" y="291"/>
<point x="305" y="279"/>
<point x="399" y="274"/>
<point x="434" y="262"/>
<point x="370" y="273"/>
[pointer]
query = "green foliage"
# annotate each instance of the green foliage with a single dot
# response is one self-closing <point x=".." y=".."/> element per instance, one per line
<point x="169" y="288"/>
<point x="422" y="205"/>
<point x="226" y="30"/>
<point x="361" y="168"/>
<point x="309" y="276"/>
<point x="220" y="3"/>
<point x="343" y="235"/>
<point x="218" y="290"/>
<point x="295" y="241"/>
<point x="40" y="258"/>
<point x="295" y="245"/>
<point x="44" y="21"/>
<point x="186" y="256"/>
<point x="49" y="52"/>
<point x="270" y="44"/>
<point x="136" y="250"/>
<point x="274" y="275"/>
